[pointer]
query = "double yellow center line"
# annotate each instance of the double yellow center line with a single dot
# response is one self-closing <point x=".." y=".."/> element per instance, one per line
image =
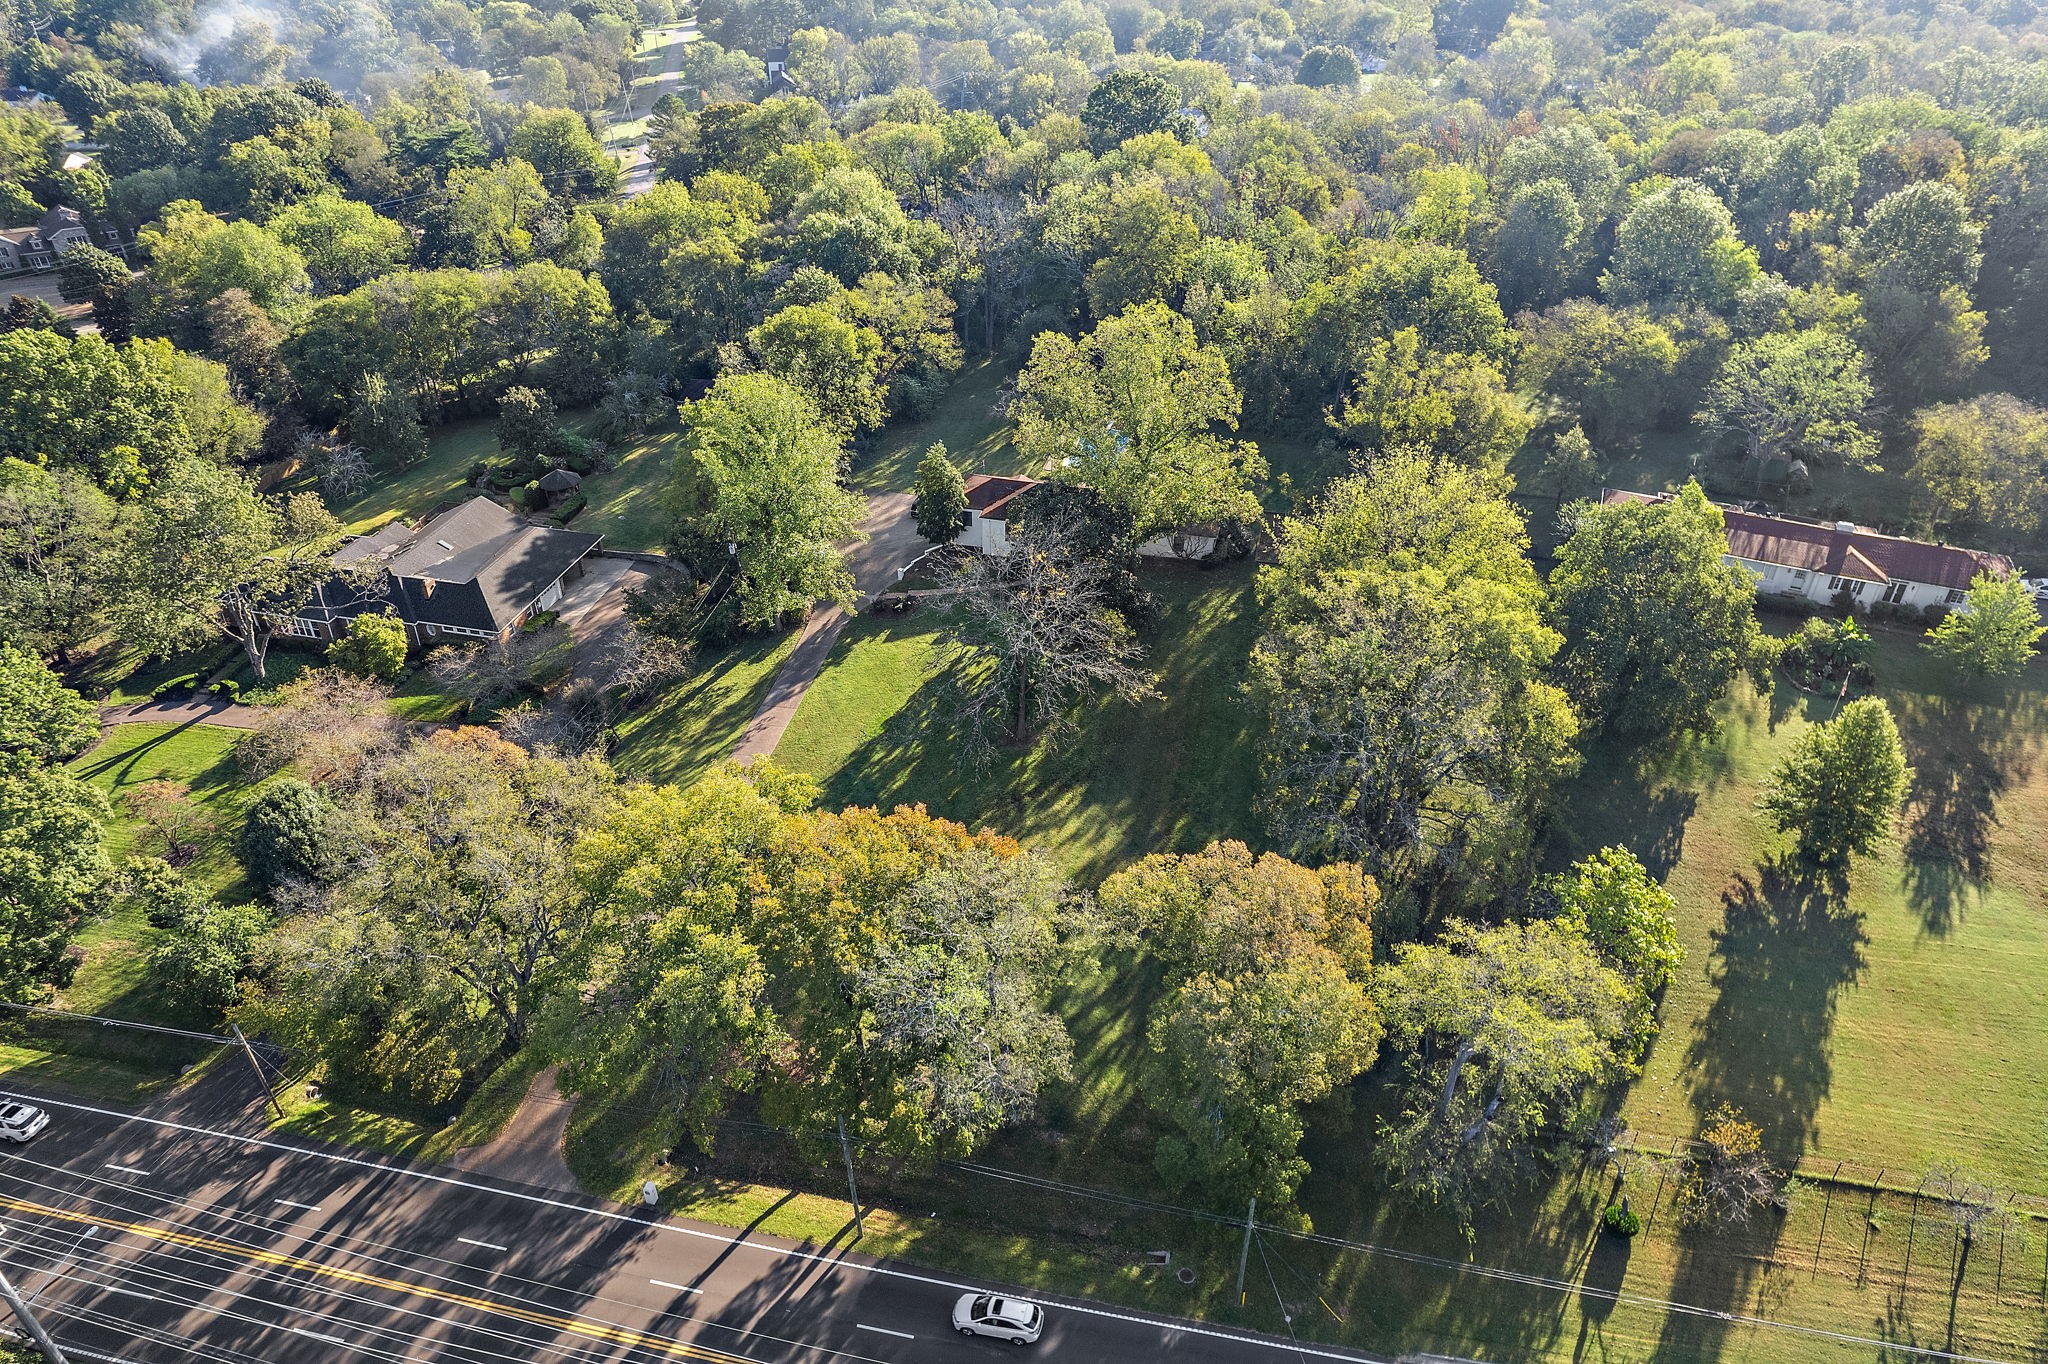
<point x="572" y="1325"/>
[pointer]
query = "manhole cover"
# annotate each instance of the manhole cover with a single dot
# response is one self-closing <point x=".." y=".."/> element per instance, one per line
<point x="1184" y="1274"/>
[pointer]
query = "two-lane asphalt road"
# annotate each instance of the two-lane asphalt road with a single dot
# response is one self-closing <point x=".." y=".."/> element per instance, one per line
<point x="146" y="1241"/>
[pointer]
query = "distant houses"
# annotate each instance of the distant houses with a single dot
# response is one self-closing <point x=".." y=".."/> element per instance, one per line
<point x="1820" y="561"/>
<point x="38" y="247"/>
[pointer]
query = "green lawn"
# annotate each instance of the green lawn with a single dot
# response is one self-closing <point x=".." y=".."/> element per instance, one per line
<point x="625" y="500"/>
<point x="442" y="477"/>
<point x="695" y="724"/>
<point x="976" y="433"/>
<point x="1810" y="1013"/>
<point x="111" y="978"/>
<point x="1171" y="772"/>
<point x="122" y="675"/>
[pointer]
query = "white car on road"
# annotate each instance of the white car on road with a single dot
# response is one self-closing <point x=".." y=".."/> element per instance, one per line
<point x="19" y="1122"/>
<point x="1011" y="1319"/>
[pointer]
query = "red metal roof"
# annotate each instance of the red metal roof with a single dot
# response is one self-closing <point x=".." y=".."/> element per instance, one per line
<point x="1857" y="552"/>
<point x="991" y="494"/>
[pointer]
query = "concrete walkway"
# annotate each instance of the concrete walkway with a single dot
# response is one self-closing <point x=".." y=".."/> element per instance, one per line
<point x="792" y="680"/>
<point x="210" y="710"/>
<point x="892" y="541"/>
<point x="529" y="1149"/>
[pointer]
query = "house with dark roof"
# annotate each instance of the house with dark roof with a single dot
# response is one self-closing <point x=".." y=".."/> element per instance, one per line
<point x="775" y="61"/>
<point x="37" y="248"/>
<point x="476" y="571"/>
<point x="985" y="524"/>
<point x="1818" y="561"/>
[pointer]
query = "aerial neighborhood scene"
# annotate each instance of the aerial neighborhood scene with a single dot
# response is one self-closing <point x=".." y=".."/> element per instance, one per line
<point x="1216" y="680"/>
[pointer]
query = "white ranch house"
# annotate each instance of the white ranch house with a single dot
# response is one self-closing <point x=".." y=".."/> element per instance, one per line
<point x="987" y="528"/>
<point x="1791" y="558"/>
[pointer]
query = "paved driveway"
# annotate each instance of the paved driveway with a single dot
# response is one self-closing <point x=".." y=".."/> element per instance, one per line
<point x="593" y="606"/>
<point x="892" y="542"/>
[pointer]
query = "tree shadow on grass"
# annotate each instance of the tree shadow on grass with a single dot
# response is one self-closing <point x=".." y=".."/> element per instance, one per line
<point x="1622" y="796"/>
<point x="1168" y="773"/>
<point x="1786" y="948"/>
<point x="1967" y="754"/>
<point x="695" y="724"/>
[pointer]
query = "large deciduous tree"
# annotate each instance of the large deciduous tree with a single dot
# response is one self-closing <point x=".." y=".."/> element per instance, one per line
<point x="1041" y="625"/>
<point x="1794" y="394"/>
<point x="1609" y="370"/>
<point x="1128" y="104"/>
<point x="1505" y="1030"/>
<point x="1839" y="788"/>
<point x="1656" y="623"/>
<point x="1677" y="249"/>
<point x="450" y="920"/>
<point x="1136" y="409"/>
<point x="51" y="859"/>
<point x="1982" y="462"/>
<point x="78" y="403"/>
<point x="888" y="969"/>
<point x="1267" y="1009"/>
<point x="758" y="469"/>
<point x="1403" y="676"/>
<point x="1994" y="632"/>
<point x="1407" y="400"/>
<point x="58" y="537"/>
<point x="209" y="554"/>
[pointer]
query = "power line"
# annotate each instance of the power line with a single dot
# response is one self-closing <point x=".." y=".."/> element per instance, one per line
<point x="258" y="1222"/>
<point x="156" y="1278"/>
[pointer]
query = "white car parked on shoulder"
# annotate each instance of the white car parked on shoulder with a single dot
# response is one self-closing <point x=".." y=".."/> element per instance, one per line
<point x="1011" y="1319"/>
<point x="19" y="1122"/>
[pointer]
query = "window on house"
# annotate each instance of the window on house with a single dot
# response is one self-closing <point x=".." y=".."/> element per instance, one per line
<point x="1956" y="596"/>
<point x="1836" y="584"/>
<point x="1856" y="588"/>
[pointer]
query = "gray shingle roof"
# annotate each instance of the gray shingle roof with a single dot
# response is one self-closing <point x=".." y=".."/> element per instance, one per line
<point x="476" y="566"/>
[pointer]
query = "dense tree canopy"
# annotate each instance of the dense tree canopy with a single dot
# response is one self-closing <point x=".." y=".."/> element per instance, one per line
<point x="1136" y="410"/>
<point x="1506" y="1028"/>
<point x="1267" y="963"/>
<point x="756" y="482"/>
<point x="1403" y="672"/>
<point x="1656" y="622"/>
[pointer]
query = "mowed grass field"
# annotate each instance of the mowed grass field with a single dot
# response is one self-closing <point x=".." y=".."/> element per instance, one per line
<point x="112" y="977"/>
<point x="1902" y="1024"/>
<point x="881" y="726"/>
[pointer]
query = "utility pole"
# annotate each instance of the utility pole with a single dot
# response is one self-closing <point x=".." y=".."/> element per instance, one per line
<point x="262" y="1078"/>
<point x="853" y="1191"/>
<point x="48" y="1347"/>
<point x="1244" y="1256"/>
